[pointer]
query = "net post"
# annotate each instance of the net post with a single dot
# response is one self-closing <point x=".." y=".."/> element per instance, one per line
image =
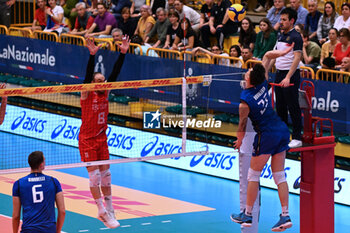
<point x="184" y="112"/>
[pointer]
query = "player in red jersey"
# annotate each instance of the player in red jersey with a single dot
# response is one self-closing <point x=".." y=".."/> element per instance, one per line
<point x="92" y="137"/>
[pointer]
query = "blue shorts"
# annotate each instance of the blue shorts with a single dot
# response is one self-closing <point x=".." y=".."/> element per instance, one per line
<point x="271" y="143"/>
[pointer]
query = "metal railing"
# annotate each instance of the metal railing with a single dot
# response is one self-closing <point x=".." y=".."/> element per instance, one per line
<point x="165" y="53"/>
<point x="333" y="76"/>
<point x="23" y="13"/>
<point x="49" y="36"/>
<point x="21" y="32"/>
<point x="4" y="30"/>
<point x="227" y="61"/>
<point x="72" y="39"/>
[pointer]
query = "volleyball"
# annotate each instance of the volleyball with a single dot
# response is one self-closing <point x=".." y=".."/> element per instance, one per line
<point x="236" y="12"/>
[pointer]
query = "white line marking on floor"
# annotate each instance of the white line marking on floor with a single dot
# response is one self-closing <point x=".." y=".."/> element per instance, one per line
<point x="104" y="228"/>
<point x="146" y="223"/>
<point x="83" y="230"/>
<point x="126" y="226"/>
<point x="166" y="221"/>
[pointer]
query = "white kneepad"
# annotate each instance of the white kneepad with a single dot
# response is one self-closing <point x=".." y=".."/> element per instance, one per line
<point x="95" y="178"/>
<point x="253" y="175"/>
<point x="106" y="178"/>
<point x="279" y="177"/>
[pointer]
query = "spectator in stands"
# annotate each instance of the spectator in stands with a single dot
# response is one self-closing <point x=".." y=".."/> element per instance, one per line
<point x="219" y="24"/>
<point x="275" y="12"/>
<point x="299" y="28"/>
<point x="265" y="40"/>
<point x="159" y="29"/>
<point x="343" y="21"/>
<point x="187" y="42"/>
<point x="215" y="50"/>
<point x="247" y="54"/>
<point x="235" y="51"/>
<point x="262" y="6"/>
<point x="169" y="5"/>
<point x="104" y="23"/>
<point x="328" y="47"/>
<point x="345" y="64"/>
<point x="117" y="35"/>
<point x="326" y="22"/>
<point x="342" y="49"/>
<point x="302" y="12"/>
<point x="5" y="12"/>
<point x="127" y="24"/>
<point x="135" y="8"/>
<point x="311" y="51"/>
<point x="190" y="13"/>
<point x="146" y="22"/>
<point x="55" y="18"/>
<point x="39" y="22"/>
<point x="70" y="12"/>
<point x="312" y="19"/>
<point x="155" y="4"/>
<point x="84" y="20"/>
<point x="247" y="34"/>
<point x="117" y="7"/>
<point x="136" y="39"/>
<point x="172" y="29"/>
<point x="205" y="13"/>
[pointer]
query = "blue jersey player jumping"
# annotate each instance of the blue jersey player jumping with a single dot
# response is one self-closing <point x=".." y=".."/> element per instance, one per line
<point x="37" y="193"/>
<point x="271" y="140"/>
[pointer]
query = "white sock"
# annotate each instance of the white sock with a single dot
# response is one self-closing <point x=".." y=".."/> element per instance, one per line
<point x="100" y="206"/>
<point x="285" y="211"/>
<point x="109" y="204"/>
<point x="248" y="210"/>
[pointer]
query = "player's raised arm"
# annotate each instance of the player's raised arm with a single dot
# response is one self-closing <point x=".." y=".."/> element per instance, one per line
<point x="3" y="105"/>
<point x="90" y="44"/>
<point x="124" y="47"/>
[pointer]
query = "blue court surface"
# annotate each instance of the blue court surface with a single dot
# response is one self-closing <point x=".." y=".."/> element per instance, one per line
<point x="219" y="195"/>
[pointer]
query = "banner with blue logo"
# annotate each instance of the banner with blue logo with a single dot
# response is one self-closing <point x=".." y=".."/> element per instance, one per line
<point x="67" y="63"/>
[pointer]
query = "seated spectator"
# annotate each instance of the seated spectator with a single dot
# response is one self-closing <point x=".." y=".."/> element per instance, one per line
<point x="103" y="23"/>
<point x="169" y="5"/>
<point x="190" y="13"/>
<point x="146" y="22"/>
<point x="136" y="39"/>
<point x="117" y="35"/>
<point x="265" y="40"/>
<point x="247" y="34"/>
<point x="302" y="12"/>
<point x="235" y="51"/>
<point x="311" y="51"/>
<point x="219" y="24"/>
<point x="117" y="7"/>
<point x="205" y="13"/>
<point x="39" y="22"/>
<point x="172" y="29"/>
<point x="55" y="18"/>
<point x="275" y="12"/>
<point x="155" y="4"/>
<point x="187" y="42"/>
<point x="159" y="29"/>
<point x="127" y="24"/>
<point x="342" y="49"/>
<point x="343" y="21"/>
<point x="326" y="22"/>
<point x="70" y="12"/>
<point x="247" y="54"/>
<point x="136" y="5"/>
<point x="329" y="46"/>
<point x="84" y="20"/>
<point x="215" y="50"/>
<point x="312" y="19"/>
<point x="345" y="67"/>
<point x="299" y="28"/>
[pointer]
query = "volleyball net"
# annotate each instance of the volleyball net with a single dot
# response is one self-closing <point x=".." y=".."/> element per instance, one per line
<point x="148" y="120"/>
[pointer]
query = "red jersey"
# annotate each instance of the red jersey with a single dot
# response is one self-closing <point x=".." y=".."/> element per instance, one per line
<point x="40" y="17"/>
<point x="94" y="113"/>
<point x="339" y="54"/>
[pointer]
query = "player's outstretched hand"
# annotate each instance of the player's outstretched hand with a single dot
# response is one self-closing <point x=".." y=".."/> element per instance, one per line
<point x="237" y="144"/>
<point x="124" y="47"/>
<point x="276" y="53"/>
<point x="90" y="44"/>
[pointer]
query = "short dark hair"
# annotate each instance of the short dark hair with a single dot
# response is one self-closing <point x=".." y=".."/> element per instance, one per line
<point x="345" y="32"/>
<point x="136" y="39"/>
<point x="292" y="14"/>
<point x="102" y="4"/>
<point x="35" y="159"/>
<point x="257" y="75"/>
<point x="305" y="34"/>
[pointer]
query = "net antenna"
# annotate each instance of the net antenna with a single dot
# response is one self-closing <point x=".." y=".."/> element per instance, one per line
<point x="184" y="88"/>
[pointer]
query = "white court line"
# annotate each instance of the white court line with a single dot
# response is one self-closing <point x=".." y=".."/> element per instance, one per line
<point x="83" y="230"/>
<point x="104" y="228"/>
<point x="126" y="226"/>
<point x="166" y="221"/>
<point x="146" y="223"/>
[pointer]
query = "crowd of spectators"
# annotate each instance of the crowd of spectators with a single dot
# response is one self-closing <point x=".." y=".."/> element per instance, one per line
<point x="174" y="25"/>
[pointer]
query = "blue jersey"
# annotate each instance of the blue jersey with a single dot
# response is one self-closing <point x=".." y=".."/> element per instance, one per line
<point x="37" y="193"/>
<point x="272" y="133"/>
